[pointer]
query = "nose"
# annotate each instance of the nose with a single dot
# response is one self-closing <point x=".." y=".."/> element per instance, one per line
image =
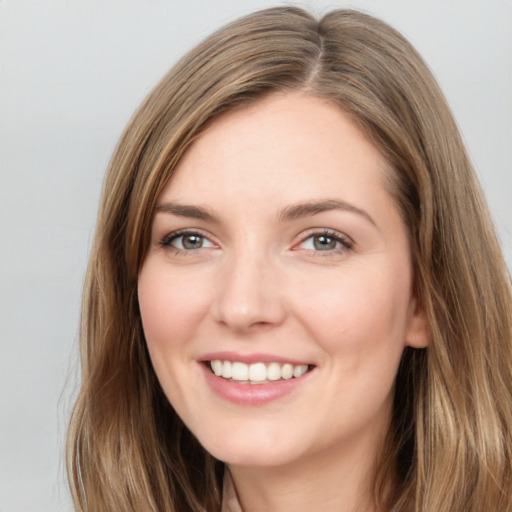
<point x="250" y="295"/>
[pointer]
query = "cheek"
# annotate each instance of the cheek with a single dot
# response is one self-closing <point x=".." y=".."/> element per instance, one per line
<point x="358" y="312"/>
<point x="171" y="309"/>
<point x="171" y="306"/>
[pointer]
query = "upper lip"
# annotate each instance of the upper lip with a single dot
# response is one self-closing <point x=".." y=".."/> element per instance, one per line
<point x="251" y="358"/>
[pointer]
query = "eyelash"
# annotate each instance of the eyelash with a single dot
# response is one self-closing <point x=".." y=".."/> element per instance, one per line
<point x="345" y="242"/>
<point x="166" y="241"/>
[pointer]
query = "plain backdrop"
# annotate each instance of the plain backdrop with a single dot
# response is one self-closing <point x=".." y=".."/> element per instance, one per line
<point x="72" y="72"/>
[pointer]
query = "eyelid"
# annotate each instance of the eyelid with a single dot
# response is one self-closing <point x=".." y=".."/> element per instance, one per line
<point x="166" y="241"/>
<point x="346" y="242"/>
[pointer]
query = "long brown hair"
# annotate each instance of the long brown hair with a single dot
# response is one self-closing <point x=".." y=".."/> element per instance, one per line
<point x="450" y="443"/>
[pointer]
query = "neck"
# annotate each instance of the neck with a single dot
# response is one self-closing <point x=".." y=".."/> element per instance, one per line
<point x="339" y="480"/>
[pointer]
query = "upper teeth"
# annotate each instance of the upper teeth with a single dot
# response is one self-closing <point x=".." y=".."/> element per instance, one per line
<point x="257" y="372"/>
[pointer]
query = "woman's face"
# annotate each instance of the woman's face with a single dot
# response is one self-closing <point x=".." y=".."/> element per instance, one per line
<point x="276" y="294"/>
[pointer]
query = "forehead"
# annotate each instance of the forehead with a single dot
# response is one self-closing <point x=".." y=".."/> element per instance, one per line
<point x="285" y="139"/>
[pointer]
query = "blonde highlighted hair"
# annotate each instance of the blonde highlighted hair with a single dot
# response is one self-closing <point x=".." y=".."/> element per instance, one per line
<point x="449" y="447"/>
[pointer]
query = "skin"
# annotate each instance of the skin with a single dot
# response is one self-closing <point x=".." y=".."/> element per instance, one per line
<point x="260" y="282"/>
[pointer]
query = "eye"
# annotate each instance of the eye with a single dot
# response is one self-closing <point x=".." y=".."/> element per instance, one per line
<point x="326" y="241"/>
<point x="186" y="241"/>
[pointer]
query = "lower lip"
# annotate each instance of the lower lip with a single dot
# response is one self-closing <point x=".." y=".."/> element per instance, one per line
<point x="251" y="394"/>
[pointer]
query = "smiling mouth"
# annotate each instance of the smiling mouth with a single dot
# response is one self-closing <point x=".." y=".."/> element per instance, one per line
<point x="257" y="373"/>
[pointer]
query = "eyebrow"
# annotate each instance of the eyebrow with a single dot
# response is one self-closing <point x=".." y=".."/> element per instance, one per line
<point x="185" y="210"/>
<point x="291" y="212"/>
<point x="310" y="208"/>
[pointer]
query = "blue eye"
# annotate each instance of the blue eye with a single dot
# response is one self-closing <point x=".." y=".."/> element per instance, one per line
<point x="186" y="241"/>
<point x="326" y="242"/>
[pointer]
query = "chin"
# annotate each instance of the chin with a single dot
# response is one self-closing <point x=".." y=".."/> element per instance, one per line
<point x="254" y="458"/>
<point x="252" y="451"/>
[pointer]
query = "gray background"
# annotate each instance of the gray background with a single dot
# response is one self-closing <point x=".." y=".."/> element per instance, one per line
<point x="72" y="72"/>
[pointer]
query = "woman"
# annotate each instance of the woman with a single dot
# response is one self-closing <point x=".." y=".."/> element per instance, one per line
<point x="295" y="296"/>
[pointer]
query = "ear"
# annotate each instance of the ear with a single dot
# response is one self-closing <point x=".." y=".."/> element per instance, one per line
<point x="417" y="335"/>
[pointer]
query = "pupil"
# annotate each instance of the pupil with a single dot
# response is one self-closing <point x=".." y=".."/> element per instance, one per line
<point x="192" y="241"/>
<point x="324" y="243"/>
